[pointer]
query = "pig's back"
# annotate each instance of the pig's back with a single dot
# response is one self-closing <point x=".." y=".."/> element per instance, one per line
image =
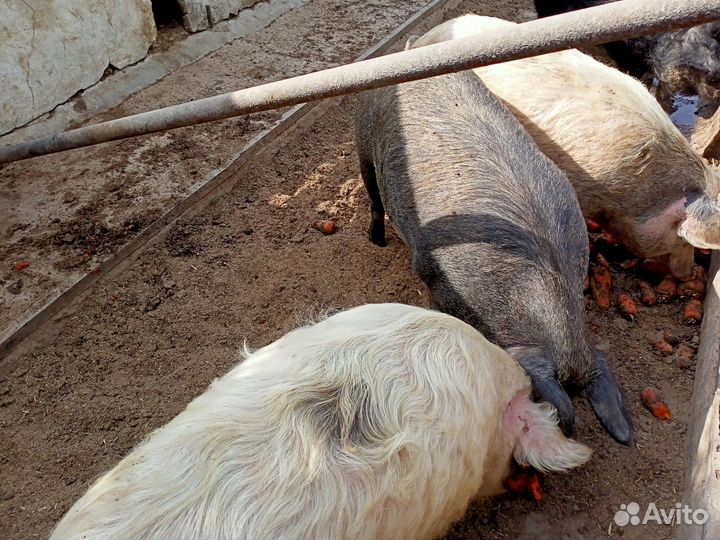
<point x="494" y="227"/>
<point x="472" y="170"/>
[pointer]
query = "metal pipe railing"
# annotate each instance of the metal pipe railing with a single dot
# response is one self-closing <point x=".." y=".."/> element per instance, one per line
<point x="609" y="22"/>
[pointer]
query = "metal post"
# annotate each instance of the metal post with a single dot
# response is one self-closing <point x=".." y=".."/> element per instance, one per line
<point x="609" y="22"/>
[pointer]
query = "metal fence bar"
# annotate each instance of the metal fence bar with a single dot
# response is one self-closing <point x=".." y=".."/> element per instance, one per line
<point x="609" y="22"/>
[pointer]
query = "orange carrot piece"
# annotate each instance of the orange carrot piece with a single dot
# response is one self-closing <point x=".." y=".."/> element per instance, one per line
<point x="602" y="261"/>
<point x="21" y="265"/>
<point x="666" y="290"/>
<point x="693" y="312"/>
<point x="671" y="337"/>
<point x="592" y="225"/>
<point x="647" y="294"/>
<point x="653" y="401"/>
<point x="693" y="288"/>
<point x="525" y="481"/>
<point x="661" y="345"/>
<point x="326" y="226"/>
<point x="600" y="284"/>
<point x="627" y="306"/>
<point x="699" y="273"/>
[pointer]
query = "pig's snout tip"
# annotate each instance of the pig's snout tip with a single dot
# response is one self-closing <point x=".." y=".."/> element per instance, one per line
<point x="608" y="402"/>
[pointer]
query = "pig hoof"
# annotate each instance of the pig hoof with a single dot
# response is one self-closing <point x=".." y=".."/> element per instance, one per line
<point x="377" y="236"/>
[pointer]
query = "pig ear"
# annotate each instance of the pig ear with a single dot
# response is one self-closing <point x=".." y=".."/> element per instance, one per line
<point x="608" y="403"/>
<point x="538" y="439"/>
<point x="547" y="388"/>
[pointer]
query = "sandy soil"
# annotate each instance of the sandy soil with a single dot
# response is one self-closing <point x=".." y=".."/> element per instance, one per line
<point x="130" y="354"/>
<point x="67" y="212"/>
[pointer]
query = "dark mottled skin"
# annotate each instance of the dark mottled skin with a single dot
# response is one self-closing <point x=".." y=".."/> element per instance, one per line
<point x="494" y="227"/>
<point x="685" y="61"/>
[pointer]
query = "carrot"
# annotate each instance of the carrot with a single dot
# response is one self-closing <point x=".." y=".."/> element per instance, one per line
<point x="660" y="344"/>
<point x="666" y="290"/>
<point x="593" y="226"/>
<point x="699" y="273"/>
<point x="627" y="306"/>
<point x="653" y="401"/>
<point x="600" y="285"/>
<point x="685" y="356"/>
<point x="524" y="481"/>
<point x="602" y="261"/>
<point x="693" y="312"/>
<point x="647" y="294"/>
<point x="663" y="347"/>
<point x="629" y="264"/>
<point x="326" y="226"/>
<point x="21" y="265"/>
<point x="605" y="240"/>
<point x="671" y="337"/>
<point x="693" y="288"/>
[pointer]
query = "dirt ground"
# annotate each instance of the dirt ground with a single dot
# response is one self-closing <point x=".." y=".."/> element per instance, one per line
<point x="131" y="353"/>
<point x="67" y="212"/>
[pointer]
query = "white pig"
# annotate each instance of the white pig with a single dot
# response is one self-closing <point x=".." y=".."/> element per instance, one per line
<point x="382" y="421"/>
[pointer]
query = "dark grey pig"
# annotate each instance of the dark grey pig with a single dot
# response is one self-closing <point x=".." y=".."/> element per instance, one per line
<point x="494" y="227"/>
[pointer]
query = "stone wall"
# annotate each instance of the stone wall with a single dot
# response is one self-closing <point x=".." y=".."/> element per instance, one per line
<point x="202" y="14"/>
<point x="51" y="49"/>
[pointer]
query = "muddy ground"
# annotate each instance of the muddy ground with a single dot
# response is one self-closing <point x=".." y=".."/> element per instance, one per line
<point x="130" y="354"/>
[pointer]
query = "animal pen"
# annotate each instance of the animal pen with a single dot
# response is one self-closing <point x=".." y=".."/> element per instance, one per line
<point x="378" y="66"/>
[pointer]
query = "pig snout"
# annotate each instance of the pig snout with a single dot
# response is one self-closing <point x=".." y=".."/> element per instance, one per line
<point x="539" y="442"/>
<point x="608" y="402"/>
<point x="602" y="391"/>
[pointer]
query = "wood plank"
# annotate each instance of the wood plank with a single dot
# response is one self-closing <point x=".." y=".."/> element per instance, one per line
<point x="702" y="469"/>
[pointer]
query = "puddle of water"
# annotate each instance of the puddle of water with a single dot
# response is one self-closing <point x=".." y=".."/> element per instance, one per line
<point x="685" y="113"/>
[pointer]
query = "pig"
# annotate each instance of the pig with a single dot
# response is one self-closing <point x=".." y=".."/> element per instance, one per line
<point x="684" y="61"/>
<point x="494" y="228"/>
<point x="630" y="166"/>
<point x="381" y="421"/>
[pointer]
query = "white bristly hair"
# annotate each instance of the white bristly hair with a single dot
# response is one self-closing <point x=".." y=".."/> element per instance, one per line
<point x="382" y="421"/>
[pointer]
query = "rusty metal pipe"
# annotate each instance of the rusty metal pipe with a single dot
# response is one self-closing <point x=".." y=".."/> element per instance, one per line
<point x="609" y="22"/>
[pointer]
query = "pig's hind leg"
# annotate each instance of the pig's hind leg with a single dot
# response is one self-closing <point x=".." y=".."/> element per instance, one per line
<point x="376" y="232"/>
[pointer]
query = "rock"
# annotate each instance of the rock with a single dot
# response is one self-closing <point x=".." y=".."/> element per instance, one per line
<point x="56" y="49"/>
<point x="15" y="287"/>
<point x="201" y="14"/>
<point x="217" y="10"/>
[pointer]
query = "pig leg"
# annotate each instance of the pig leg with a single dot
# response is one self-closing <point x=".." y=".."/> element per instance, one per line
<point x="608" y="403"/>
<point x="376" y="232"/>
<point x="681" y="262"/>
